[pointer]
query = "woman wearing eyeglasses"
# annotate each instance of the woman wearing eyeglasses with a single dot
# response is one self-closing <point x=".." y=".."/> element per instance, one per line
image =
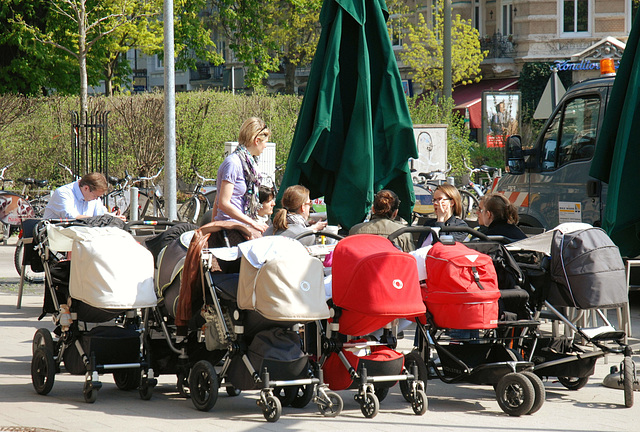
<point x="238" y="177"/>
<point x="447" y="205"/>
<point x="291" y="219"/>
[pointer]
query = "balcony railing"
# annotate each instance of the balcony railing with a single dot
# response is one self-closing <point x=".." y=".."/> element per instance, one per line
<point x="499" y="46"/>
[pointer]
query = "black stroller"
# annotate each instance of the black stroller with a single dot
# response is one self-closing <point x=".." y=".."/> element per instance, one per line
<point x="93" y="298"/>
<point x="462" y="298"/>
<point x="575" y="270"/>
<point x="233" y="325"/>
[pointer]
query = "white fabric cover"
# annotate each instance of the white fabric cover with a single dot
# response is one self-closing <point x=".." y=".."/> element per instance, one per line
<point x="542" y="242"/>
<point x="109" y="268"/>
<point x="279" y="280"/>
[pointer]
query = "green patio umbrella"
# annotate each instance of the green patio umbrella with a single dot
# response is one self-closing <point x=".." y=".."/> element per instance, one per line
<point x="354" y="135"/>
<point x="617" y="156"/>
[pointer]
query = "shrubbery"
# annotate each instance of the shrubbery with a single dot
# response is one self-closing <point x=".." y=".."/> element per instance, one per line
<point x="35" y="133"/>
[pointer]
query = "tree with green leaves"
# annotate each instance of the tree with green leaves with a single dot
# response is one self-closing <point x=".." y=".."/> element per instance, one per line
<point x="81" y="24"/>
<point x="267" y="35"/>
<point x="26" y="67"/>
<point x="192" y="39"/>
<point x="424" y="51"/>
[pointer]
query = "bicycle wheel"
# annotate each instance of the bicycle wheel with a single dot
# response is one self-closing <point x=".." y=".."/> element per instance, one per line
<point x="29" y="274"/>
<point x="38" y="205"/>
<point x="118" y="200"/>
<point x="190" y="210"/>
<point x="470" y="206"/>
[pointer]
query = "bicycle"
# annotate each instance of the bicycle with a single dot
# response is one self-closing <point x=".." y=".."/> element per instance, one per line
<point x="150" y="200"/>
<point x="38" y="203"/>
<point x="14" y="208"/>
<point x="472" y="191"/>
<point x="201" y="200"/>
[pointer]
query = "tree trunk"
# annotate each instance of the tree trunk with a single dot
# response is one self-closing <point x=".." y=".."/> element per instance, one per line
<point x="289" y="77"/>
<point x="84" y="104"/>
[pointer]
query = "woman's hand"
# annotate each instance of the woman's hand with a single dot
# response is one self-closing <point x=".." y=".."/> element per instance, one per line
<point x="319" y="226"/>
<point x="262" y="227"/>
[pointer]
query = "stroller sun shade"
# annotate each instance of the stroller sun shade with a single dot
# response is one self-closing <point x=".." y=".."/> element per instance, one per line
<point x="109" y="268"/>
<point x="374" y="283"/>
<point x="588" y="270"/>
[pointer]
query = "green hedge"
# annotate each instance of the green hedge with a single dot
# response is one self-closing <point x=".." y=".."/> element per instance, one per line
<point x="35" y="133"/>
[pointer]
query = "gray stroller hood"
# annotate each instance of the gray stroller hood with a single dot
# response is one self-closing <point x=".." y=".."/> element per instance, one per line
<point x="587" y="269"/>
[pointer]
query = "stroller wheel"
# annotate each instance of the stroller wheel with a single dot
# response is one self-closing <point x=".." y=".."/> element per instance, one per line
<point x="233" y="392"/>
<point x="333" y="407"/>
<point x="409" y="359"/>
<point x="203" y="385"/>
<point x="183" y="386"/>
<point x="369" y="405"/>
<point x="90" y="395"/>
<point x="420" y="403"/>
<point x="627" y="377"/>
<point x="515" y="394"/>
<point x="43" y="371"/>
<point x="127" y="379"/>
<point x="381" y="393"/>
<point x="539" y="391"/>
<point x="272" y="409"/>
<point x="573" y="383"/>
<point x="286" y="395"/>
<point x="42" y="338"/>
<point x="304" y="394"/>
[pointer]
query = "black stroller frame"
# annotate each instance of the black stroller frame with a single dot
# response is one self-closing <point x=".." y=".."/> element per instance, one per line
<point x="312" y="388"/>
<point x="202" y="372"/>
<point x="574" y="364"/>
<point x="367" y="394"/>
<point x="130" y="370"/>
<point x="484" y="361"/>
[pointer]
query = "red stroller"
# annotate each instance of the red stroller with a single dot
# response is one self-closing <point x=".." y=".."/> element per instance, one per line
<point x="374" y="285"/>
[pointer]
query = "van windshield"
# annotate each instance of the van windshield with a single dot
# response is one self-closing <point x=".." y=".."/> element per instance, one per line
<point x="571" y="135"/>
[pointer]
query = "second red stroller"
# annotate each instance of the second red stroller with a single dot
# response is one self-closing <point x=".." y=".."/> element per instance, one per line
<point x="374" y="285"/>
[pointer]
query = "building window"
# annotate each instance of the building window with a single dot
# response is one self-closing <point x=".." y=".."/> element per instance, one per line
<point x="507" y="17"/>
<point x="395" y="29"/>
<point x="476" y="16"/>
<point x="575" y="16"/>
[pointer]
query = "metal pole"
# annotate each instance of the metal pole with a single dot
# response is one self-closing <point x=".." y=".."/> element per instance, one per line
<point x="554" y="88"/>
<point x="233" y="80"/>
<point x="170" y="184"/>
<point x="446" y="51"/>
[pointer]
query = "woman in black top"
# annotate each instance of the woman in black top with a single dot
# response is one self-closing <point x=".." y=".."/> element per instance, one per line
<point x="500" y="217"/>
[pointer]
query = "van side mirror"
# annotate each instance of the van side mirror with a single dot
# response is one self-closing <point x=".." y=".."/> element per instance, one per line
<point x="514" y="155"/>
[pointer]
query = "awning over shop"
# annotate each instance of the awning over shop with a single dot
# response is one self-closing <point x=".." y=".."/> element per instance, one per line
<point x="469" y="97"/>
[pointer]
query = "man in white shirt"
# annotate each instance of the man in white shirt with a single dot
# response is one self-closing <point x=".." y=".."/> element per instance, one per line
<point x="79" y="199"/>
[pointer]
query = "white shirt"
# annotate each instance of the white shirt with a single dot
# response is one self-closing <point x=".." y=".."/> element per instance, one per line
<point x="67" y="202"/>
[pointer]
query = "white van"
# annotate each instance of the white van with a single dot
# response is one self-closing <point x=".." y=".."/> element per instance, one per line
<point x="549" y="180"/>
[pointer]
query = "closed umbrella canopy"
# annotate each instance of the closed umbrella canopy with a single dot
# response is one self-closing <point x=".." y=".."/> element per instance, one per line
<point x="617" y="157"/>
<point x="354" y="134"/>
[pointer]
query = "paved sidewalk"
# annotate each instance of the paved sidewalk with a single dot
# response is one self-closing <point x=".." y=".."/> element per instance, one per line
<point x="459" y="407"/>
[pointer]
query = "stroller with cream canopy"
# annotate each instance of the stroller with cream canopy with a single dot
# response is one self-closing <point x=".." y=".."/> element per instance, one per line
<point x="93" y="297"/>
<point x="236" y="321"/>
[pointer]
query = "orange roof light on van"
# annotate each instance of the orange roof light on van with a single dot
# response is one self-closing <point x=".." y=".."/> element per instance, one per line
<point x="607" y="67"/>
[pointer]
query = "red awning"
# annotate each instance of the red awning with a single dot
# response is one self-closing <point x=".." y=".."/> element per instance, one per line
<point x="469" y="97"/>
